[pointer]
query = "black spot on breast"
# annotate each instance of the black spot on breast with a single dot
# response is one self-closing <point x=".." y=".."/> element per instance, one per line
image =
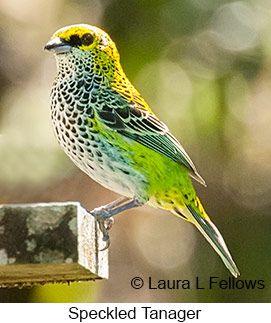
<point x="63" y="137"/>
<point x="80" y="107"/>
<point x="89" y="87"/>
<point x="80" y="84"/>
<point x="85" y="96"/>
<point x="98" y="153"/>
<point x="89" y="79"/>
<point x="76" y="91"/>
<point x="83" y="129"/>
<point x="69" y="100"/>
<point x="98" y="79"/>
<point x="90" y="153"/>
<point x="89" y="166"/>
<point x="79" y="121"/>
<point x="93" y="99"/>
<point x="90" y="112"/>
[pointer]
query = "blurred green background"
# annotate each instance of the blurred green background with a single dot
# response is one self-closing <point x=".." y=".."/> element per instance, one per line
<point x="204" y="67"/>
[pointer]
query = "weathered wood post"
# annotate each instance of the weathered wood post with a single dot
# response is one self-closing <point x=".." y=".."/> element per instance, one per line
<point x="49" y="242"/>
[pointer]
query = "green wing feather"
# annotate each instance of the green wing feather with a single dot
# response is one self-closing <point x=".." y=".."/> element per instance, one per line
<point x="133" y="121"/>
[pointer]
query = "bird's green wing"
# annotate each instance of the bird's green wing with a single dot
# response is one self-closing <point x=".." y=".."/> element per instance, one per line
<point x="139" y="124"/>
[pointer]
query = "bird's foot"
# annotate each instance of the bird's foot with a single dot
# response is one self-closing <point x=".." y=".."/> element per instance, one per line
<point x="104" y="214"/>
<point x="105" y="222"/>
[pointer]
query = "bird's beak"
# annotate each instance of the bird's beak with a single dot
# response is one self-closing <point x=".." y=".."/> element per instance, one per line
<point x="58" y="46"/>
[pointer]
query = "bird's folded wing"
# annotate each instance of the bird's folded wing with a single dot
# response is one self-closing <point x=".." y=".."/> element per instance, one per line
<point x="141" y="125"/>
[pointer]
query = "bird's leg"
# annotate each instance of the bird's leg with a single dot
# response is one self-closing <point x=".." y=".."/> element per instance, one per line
<point x="112" y="204"/>
<point x="104" y="214"/>
<point x="105" y="208"/>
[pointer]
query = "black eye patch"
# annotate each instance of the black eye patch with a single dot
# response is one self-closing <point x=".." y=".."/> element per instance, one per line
<point x="86" y="39"/>
<point x="75" y="40"/>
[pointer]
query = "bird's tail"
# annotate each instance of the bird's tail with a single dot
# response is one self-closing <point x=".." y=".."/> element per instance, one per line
<point x="196" y="214"/>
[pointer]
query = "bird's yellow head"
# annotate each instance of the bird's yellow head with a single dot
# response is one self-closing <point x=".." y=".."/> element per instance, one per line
<point x="84" y="49"/>
<point x="78" y="39"/>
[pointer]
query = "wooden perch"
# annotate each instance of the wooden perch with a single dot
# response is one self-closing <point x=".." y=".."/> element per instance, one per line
<point x="49" y="242"/>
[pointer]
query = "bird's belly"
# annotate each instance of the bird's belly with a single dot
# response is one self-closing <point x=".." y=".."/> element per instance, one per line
<point x="112" y="174"/>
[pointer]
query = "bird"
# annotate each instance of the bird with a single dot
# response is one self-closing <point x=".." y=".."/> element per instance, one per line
<point x="108" y="130"/>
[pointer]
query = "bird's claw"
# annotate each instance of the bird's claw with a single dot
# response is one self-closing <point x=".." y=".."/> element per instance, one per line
<point x="108" y="223"/>
<point x="105" y="223"/>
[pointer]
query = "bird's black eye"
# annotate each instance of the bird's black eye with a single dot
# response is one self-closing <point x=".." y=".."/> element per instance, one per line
<point x="87" y="39"/>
